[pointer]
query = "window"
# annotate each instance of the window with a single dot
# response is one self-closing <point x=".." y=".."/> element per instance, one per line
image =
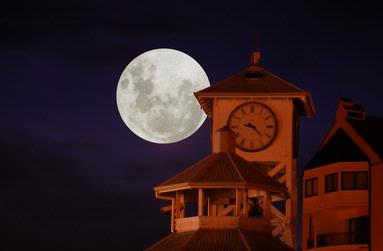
<point x="311" y="187"/>
<point x="354" y="180"/>
<point x="331" y="182"/>
<point x="254" y="75"/>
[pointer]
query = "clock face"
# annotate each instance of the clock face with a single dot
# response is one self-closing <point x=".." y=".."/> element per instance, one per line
<point x="254" y="125"/>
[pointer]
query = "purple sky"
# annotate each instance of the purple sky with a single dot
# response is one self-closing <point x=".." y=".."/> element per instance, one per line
<point x="74" y="175"/>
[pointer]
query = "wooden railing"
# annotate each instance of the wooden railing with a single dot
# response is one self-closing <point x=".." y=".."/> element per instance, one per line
<point x="193" y="223"/>
<point x="344" y="238"/>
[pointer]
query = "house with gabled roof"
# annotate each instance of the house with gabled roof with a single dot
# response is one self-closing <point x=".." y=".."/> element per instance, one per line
<point x="343" y="185"/>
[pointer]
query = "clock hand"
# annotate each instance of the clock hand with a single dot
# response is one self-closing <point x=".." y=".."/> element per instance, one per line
<point x="249" y="125"/>
<point x="255" y="129"/>
<point x="252" y="127"/>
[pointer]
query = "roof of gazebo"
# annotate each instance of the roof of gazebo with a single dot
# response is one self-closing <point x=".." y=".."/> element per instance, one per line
<point x="220" y="239"/>
<point x="221" y="170"/>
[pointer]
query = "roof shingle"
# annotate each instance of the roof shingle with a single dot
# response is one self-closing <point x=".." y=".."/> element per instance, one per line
<point x="220" y="240"/>
<point x="244" y="82"/>
<point x="225" y="169"/>
<point x="256" y="81"/>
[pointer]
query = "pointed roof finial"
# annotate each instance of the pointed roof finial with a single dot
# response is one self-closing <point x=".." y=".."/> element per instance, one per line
<point x="255" y="57"/>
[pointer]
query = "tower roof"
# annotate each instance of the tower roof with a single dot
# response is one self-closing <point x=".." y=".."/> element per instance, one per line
<point x="256" y="82"/>
<point x="370" y="129"/>
<point x="223" y="170"/>
<point x="220" y="239"/>
<point x="353" y="137"/>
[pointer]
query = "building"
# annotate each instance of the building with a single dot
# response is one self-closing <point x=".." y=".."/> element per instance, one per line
<point x="343" y="185"/>
<point x="243" y="196"/>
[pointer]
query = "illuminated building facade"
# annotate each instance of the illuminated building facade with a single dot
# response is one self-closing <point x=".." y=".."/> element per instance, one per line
<point x="243" y="196"/>
<point x="342" y="185"/>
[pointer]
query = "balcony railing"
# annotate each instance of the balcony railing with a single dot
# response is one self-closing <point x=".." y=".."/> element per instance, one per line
<point x="193" y="223"/>
<point x="344" y="238"/>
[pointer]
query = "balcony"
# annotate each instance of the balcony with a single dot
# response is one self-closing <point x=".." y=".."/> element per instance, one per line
<point x="345" y="238"/>
<point x="339" y="241"/>
<point x="194" y="223"/>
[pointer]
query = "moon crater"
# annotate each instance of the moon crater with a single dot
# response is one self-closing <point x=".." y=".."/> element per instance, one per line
<point x="155" y="95"/>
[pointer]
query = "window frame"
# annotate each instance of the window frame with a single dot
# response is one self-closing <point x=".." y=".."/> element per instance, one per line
<point x="312" y="186"/>
<point x="332" y="179"/>
<point x="354" y="187"/>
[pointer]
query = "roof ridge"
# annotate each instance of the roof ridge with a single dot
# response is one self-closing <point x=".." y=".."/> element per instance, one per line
<point x="340" y="136"/>
<point x="160" y="241"/>
<point x="285" y="81"/>
<point x="243" y="239"/>
<point x="222" y="81"/>
<point x="349" y="125"/>
<point x="188" y="244"/>
<point x="201" y="169"/>
<point x="236" y="167"/>
<point x="206" y="158"/>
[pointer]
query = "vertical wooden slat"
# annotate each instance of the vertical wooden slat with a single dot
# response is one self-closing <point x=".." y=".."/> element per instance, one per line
<point x="213" y="210"/>
<point x="267" y="206"/>
<point x="244" y="202"/>
<point x="237" y="202"/>
<point x="178" y="206"/>
<point x="172" y="218"/>
<point x="208" y="207"/>
<point x="219" y="210"/>
<point x="200" y="202"/>
<point x="183" y="205"/>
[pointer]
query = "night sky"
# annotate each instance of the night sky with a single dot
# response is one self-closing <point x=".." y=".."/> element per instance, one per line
<point x="74" y="176"/>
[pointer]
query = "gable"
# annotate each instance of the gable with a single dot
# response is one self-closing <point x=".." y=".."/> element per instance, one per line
<point x="340" y="148"/>
<point x="255" y="82"/>
<point x="370" y="130"/>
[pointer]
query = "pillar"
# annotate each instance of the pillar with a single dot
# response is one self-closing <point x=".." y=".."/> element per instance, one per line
<point x="237" y="202"/>
<point x="244" y="202"/>
<point x="200" y="202"/>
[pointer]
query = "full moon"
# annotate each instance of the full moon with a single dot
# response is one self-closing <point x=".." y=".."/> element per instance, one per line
<point x="155" y="95"/>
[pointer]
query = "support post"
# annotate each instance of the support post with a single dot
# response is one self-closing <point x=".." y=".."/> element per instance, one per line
<point x="267" y="206"/>
<point x="200" y="202"/>
<point x="178" y="205"/>
<point x="208" y="207"/>
<point x="172" y="218"/>
<point x="244" y="202"/>
<point x="183" y="205"/>
<point x="237" y="202"/>
<point x="213" y="210"/>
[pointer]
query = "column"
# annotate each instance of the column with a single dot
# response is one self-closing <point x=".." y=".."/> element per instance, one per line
<point x="267" y="206"/>
<point x="200" y="202"/>
<point x="237" y="202"/>
<point x="244" y="201"/>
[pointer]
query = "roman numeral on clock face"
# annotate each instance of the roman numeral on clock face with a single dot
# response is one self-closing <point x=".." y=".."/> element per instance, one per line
<point x="254" y="126"/>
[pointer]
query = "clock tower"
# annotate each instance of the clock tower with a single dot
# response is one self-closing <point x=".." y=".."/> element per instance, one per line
<point x="242" y="196"/>
<point x="263" y="112"/>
